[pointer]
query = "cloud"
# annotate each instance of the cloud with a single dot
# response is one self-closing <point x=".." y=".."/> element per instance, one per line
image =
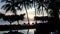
<point x="2" y="11"/>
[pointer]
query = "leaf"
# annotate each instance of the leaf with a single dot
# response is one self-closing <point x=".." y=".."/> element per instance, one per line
<point x="19" y="8"/>
<point x="4" y="0"/>
<point x="8" y="8"/>
<point x="5" y="6"/>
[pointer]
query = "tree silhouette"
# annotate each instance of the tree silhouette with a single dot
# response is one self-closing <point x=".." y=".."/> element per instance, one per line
<point x="26" y="5"/>
<point x="20" y="17"/>
<point x="1" y="15"/>
<point x="43" y="3"/>
<point x="13" y="18"/>
<point x="54" y="6"/>
<point x="34" y="2"/>
<point x="11" y="5"/>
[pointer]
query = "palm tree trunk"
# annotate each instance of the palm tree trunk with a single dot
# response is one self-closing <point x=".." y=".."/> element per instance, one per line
<point x="35" y="9"/>
<point x="27" y="18"/>
<point x="10" y="29"/>
<point x="42" y="10"/>
<point x="35" y="12"/>
<point x="27" y="15"/>
<point x="10" y="23"/>
<point x="18" y="22"/>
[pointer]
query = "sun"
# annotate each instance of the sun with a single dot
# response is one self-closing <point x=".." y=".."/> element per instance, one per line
<point x="31" y="16"/>
<point x="31" y="22"/>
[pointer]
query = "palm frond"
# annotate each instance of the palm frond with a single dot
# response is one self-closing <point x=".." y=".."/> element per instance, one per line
<point x="9" y="2"/>
<point x="5" y="6"/>
<point x="4" y="0"/>
<point x="19" y="8"/>
<point x="8" y="8"/>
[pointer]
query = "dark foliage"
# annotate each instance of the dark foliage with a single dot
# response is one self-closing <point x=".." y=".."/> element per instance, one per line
<point x="1" y="15"/>
<point x="13" y="18"/>
<point x="11" y="5"/>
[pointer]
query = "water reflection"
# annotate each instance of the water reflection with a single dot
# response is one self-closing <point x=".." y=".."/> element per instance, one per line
<point x="31" y="31"/>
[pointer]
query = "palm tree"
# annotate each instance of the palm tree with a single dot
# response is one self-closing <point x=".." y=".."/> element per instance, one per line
<point x="26" y="5"/>
<point x="39" y="3"/>
<point x="54" y="6"/>
<point x="11" y="5"/>
<point x="34" y="2"/>
<point x="43" y="4"/>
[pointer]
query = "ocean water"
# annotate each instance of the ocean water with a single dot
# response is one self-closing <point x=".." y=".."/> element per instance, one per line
<point x="31" y="31"/>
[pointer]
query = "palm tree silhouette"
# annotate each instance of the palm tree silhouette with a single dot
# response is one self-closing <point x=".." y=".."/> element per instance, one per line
<point x="11" y="5"/>
<point x="43" y="4"/>
<point x="39" y="3"/>
<point x="26" y="5"/>
<point x="54" y="6"/>
<point x="34" y="2"/>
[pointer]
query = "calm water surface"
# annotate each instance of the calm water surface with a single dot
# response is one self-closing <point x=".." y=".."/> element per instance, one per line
<point x="31" y="31"/>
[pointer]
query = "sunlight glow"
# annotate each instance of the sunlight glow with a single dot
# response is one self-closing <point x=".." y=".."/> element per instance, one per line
<point x="31" y="22"/>
<point x="9" y="13"/>
<point x="31" y="14"/>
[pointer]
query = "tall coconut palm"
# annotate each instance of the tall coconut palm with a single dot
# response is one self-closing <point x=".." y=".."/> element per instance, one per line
<point x="34" y="2"/>
<point x="52" y="4"/>
<point x="26" y="5"/>
<point x="39" y="3"/>
<point x="55" y="10"/>
<point x="11" y="5"/>
<point x="43" y="4"/>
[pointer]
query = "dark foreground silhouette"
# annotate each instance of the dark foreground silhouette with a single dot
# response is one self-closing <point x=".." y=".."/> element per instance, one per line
<point x="15" y="27"/>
